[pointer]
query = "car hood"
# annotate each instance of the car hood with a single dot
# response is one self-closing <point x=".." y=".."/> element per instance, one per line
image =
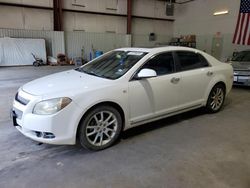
<point x="67" y="81"/>
<point x="241" y="65"/>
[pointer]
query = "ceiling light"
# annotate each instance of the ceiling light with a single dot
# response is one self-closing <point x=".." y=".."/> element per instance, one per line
<point x="221" y="12"/>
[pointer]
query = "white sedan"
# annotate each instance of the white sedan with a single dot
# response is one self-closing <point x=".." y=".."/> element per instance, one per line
<point x="121" y="89"/>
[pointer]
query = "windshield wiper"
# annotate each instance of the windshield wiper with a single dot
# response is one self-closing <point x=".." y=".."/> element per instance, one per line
<point x="84" y="71"/>
<point x="107" y="77"/>
<point x="93" y="73"/>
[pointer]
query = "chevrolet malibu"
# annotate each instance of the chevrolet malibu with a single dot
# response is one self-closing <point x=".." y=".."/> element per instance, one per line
<point x="241" y="66"/>
<point x="121" y="89"/>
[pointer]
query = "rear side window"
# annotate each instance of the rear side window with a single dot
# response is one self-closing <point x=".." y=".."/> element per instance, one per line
<point x="242" y="56"/>
<point x="246" y="57"/>
<point x="190" y="60"/>
<point x="162" y="64"/>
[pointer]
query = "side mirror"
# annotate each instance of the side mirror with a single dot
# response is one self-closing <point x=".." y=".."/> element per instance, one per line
<point x="146" y="73"/>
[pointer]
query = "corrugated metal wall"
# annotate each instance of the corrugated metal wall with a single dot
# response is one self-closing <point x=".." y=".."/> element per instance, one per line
<point x="72" y="43"/>
<point x="78" y="40"/>
<point x="54" y="39"/>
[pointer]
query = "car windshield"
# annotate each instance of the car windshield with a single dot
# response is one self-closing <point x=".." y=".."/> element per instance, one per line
<point x="113" y="64"/>
<point x="243" y="56"/>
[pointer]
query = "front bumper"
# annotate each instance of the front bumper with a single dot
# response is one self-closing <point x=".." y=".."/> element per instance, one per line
<point x="58" y="128"/>
<point x="241" y="79"/>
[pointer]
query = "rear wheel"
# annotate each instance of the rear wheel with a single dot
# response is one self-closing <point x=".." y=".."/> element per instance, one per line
<point x="216" y="98"/>
<point x="100" y="128"/>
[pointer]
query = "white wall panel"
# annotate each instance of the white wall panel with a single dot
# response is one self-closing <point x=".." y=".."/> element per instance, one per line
<point x="145" y="26"/>
<point x="143" y="40"/>
<point x="106" y="6"/>
<point x="25" y="18"/>
<point x="19" y="51"/>
<point x="38" y="19"/>
<point x="150" y="8"/>
<point x="69" y="21"/>
<point x="44" y="3"/>
<point x="94" y="23"/>
<point x="122" y="7"/>
<point x="86" y="22"/>
<point x="141" y="28"/>
<point x="54" y="40"/>
<point x="11" y="17"/>
<point x="143" y="8"/>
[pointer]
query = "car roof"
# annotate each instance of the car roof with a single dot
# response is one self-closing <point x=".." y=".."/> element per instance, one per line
<point x="158" y="49"/>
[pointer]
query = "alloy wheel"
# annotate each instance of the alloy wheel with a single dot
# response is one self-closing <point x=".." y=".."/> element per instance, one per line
<point x="217" y="98"/>
<point x="101" y="128"/>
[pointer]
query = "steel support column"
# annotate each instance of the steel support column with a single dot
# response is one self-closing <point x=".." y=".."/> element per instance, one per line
<point x="57" y="11"/>
<point x="129" y="16"/>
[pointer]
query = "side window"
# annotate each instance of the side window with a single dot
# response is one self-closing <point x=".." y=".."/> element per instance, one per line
<point x="191" y="60"/>
<point x="246" y="57"/>
<point x="162" y="63"/>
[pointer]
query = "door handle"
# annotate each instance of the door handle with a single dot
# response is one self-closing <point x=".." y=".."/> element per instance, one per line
<point x="175" y="80"/>
<point x="210" y="73"/>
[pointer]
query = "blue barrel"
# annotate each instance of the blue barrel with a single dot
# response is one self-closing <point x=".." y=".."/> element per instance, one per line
<point x="98" y="53"/>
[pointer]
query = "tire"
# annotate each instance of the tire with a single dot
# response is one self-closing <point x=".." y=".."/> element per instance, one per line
<point x="216" y="98"/>
<point x="100" y="128"/>
<point x="36" y="64"/>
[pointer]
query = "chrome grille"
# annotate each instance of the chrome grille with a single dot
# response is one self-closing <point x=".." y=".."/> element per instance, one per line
<point x="241" y="73"/>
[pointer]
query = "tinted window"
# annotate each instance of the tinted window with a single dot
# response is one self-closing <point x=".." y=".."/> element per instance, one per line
<point x="246" y="57"/>
<point x="162" y="64"/>
<point x="242" y="56"/>
<point x="191" y="60"/>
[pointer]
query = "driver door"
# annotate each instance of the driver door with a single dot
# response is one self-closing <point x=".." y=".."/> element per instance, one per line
<point x="156" y="96"/>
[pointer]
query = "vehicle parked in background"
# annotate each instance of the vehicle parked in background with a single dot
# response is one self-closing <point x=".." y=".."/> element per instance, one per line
<point x="119" y="90"/>
<point x="241" y="66"/>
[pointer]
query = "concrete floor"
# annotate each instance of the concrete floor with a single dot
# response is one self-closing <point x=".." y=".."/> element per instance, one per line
<point x="190" y="150"/>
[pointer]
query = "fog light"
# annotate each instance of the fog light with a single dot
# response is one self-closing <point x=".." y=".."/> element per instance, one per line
<point x="44" y="135"/>
<point x="48" y="135"/>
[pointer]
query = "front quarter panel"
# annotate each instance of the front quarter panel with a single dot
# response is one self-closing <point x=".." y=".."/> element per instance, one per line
<point x="116" y="93"/>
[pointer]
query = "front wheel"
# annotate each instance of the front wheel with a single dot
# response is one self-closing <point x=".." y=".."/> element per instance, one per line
<point x="216" y="98"/>
<point x="100" y="128"/>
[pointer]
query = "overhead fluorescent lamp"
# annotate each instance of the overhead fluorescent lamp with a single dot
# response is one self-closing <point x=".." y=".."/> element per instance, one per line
<point x="221" y="12"/>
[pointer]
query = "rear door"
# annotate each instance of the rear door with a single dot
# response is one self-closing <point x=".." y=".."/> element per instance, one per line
<point x="154" y="97"/>
<point x="196" y="74"/>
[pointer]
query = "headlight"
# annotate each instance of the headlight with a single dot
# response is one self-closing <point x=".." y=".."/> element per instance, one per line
<point x="51" y="106"/>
